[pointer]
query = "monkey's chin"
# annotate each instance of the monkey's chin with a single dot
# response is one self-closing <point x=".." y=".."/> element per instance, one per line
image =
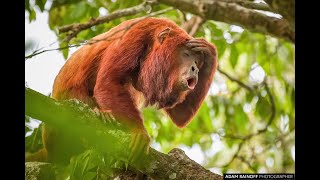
<point x="174" y="100"/>
<point x="167" y="105"/>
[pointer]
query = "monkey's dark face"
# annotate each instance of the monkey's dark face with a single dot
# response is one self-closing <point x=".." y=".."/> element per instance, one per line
<point x="171" y="69"/>
<point x="189" y="64"/>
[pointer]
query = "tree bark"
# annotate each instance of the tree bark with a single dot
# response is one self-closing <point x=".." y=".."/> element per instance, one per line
<point x="233" y="13"/>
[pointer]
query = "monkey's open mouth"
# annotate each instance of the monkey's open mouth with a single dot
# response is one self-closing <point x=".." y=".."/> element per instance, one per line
<point x="191" y="82"/>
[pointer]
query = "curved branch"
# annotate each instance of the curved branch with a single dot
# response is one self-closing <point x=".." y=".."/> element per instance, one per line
<point x="247" y="87"/>
<point x="233" y="13"/>
<point x="77" y="27"/>
<point x="37" y="52"/>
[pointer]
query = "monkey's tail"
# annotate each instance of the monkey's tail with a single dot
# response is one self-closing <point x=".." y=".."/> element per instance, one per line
<point x="40" y="156"/>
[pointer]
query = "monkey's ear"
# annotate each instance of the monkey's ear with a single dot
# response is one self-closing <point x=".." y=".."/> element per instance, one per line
<point x="163" y="34"/>
<point x="183" y="113"/>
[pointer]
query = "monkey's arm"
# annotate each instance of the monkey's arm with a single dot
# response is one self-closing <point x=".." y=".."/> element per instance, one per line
<point x="112" y="96"/>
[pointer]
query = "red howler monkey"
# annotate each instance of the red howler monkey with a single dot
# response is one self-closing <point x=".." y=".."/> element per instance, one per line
<point x="148" y="57"/>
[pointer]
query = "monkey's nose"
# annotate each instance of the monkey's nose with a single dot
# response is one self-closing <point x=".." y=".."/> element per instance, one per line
<point x="194" y="69"/>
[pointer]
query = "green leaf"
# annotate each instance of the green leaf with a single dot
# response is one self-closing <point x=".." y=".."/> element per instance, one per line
<point x="60" y="3"/>
<point x="262" y="54"/>
<point x="241" y="120"/>
<point x="230" y="142"/>
<point x="216" y="37"/>
<point x="292" y="95"/>
<point x="234" y="54"/>
<point x="27" y="5"/>
<point x="33" y="142"/>
<point x="41" y="4"/>
<point x="65" y="51"/>
<point x="26" y="119"/>
<point x="202" y="120"/>
<point x="26" y="128"/>
<point x="263" y="108"/>
<point x="84" y="166"/>
<point x="221" y="47"/>
<point x="32" y="15"/>
<point x="89" y="176"/>
<point x="249" y="97"/>
<point x="70" y="13"/>
<point x="79" y="10"/>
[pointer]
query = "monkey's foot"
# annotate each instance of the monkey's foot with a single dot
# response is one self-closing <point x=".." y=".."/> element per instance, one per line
<point x="139" y="145"/>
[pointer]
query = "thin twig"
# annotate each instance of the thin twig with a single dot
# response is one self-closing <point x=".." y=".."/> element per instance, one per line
<point x="129" y="26"/>
<point x="77" y="27"/>
<point x="236" y="80"/>
<point x="37" y="52"/>
<point x="273" y="108"/>
<point x="86" y="42"/>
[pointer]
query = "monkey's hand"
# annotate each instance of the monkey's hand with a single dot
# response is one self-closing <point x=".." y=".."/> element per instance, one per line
<point x="207" y="49"/>
<point x="139" y="145"/>
<point x="139" y="140"/>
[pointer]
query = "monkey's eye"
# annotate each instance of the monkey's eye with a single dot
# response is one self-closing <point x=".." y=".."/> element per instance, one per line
<point x="186" y="54"/>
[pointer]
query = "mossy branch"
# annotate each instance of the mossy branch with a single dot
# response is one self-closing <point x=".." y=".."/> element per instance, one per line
<point x="104" y="133"/>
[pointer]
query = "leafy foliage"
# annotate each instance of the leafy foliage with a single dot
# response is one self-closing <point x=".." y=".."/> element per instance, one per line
<point x="33" y="142"/>
<point x="229" y="108"/>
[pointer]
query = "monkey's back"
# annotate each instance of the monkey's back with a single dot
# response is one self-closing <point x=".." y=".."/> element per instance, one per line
<point x="77" y="77"/>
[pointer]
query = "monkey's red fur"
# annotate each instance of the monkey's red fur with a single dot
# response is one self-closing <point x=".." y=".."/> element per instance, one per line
<point x="140" y="57"/>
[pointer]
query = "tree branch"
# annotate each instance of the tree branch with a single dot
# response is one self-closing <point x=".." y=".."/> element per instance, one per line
<point x="178" y="165"/>
<point x="105" y="132"/>
<point x="284" y="7"/>
<point x="77" y="27"/>
<point x="247" y="87"/>
<point x="233" y="13"/>
<point x="37" y="52"/>
<point x="192" y="25"/>
<point x="251" y="5"/>
<point x="238" y="12"/>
